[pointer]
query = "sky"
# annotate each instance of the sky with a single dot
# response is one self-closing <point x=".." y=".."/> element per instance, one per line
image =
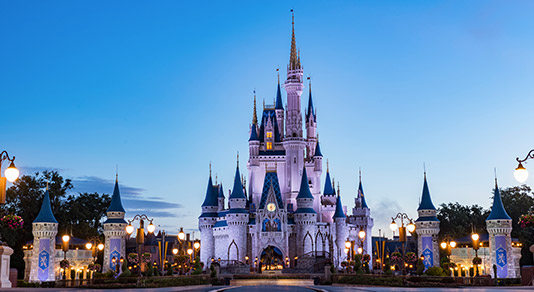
<point x="160" y="89"/>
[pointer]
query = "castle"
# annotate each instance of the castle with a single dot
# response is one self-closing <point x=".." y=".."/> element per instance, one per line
<point x="282" y="219"/>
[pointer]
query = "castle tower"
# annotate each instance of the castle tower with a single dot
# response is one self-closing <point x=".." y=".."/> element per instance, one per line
<point x="114" y="230"/>
<point x="427" y="229"/>
<point x="294" y="143"/>
<point x="341" y="235"/>
<point x="220" y="198"/>
<point x="237" y="220"/>
<point x="328" y="199"/>
<point x="279" y="108"/>
<point x="44" y="229"/>
<point x="361" y="217"/>
<point x="499" y="226"/>
<point x="305" y="218"/>
<point x="311" y="126"/>
<point x="206" y="220"/>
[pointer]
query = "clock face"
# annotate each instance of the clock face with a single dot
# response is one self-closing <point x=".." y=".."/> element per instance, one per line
<point x="271" y="207"/>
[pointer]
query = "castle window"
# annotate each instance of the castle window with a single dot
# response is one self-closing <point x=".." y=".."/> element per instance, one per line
<point x="269" y="134"/>
<point x="269" y="145"/>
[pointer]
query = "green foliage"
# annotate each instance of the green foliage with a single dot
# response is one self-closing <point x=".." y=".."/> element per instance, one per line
<point x="455" y="219"/>
<point x="213" y="272"/>
<point x="150" y="271"/>
<point x="420" y="267"/>
<point x="369" y="280"/>
<point x="387" y="267"/>
<point x="358" y="264"/>
<point x="435" y="271"/>
<point x="197" y="267"/>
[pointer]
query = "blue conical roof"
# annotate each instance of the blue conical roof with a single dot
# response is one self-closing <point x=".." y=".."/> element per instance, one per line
<point x="318" y="150"/>
<point x="426" y="201"/>
<point x="211" y="196"/>
<point x="45" y="214"/>
<point x="221" y="191"/>
<point x="311" y="110"/>
<point x="497" y="210"/>
<point x="328" y="189"/>
<point x="116" y="203"/>
<point x="339" y="209"/>
<point x="237" y="191"/>
<point x="254" y="133"/>
<point x="304" y="192"/>
<point x="360" y="193"/>
<point x="279" y="99"/>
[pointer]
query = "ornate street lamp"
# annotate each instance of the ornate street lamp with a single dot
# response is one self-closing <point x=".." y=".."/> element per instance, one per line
<point x="11" y="174"/>
<point x="65" y="247"/>
<point x="402" y="233"/>
<point x="448" y="244"/>
<point x="94" y="245"/>
<point x="140" y="237"/>
<point x="521" y="173"/>
<point x="475" y="237"/>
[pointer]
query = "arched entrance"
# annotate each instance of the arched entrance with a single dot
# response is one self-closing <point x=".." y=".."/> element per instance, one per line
<point x="271" y="259"/>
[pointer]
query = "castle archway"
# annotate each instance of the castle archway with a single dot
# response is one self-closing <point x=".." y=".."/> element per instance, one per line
<point x="271" y="258"/>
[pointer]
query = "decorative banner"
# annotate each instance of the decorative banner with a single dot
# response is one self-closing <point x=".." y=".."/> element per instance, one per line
<point x="44" y="259"/>
<point x="500" y="256"/>
<point x="114" y="252"/>
<point x="428" y="252"/>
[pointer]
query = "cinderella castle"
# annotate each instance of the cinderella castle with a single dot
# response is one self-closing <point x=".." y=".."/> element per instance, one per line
<point x="284" y="218"/>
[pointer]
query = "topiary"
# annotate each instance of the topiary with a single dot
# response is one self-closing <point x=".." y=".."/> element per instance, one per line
<point x="420" y="267"/>
<point x="435" y="271"/>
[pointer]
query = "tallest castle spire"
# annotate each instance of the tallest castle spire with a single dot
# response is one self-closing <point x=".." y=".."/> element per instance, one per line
<point x="294" y="87"/>
<point x="294" y="58"/>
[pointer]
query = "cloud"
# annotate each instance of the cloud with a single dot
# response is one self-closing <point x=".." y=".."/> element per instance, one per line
<point x="93" y="184"/>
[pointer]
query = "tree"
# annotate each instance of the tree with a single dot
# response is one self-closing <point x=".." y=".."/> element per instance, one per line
<point x="455" y="219"/>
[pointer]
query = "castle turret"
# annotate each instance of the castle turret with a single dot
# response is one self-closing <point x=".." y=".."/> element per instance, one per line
<point x="341" y="232"/>
<point x="305" y="217"/>
<point x="114" y="230"/>
<point x="328" y="199"/>
<point x="294" y="87"/>
<point x="279" y="108"/>
<point x="44" y="230"/>
<point x="207" y="219"/>
<point x="237" y="220"/>
<point x="361" y="217"/>
<point x="499" y="226"/>
<point x="311" y="126"/>
<point x="427" y="229"/>
<point x="220" y="198"/>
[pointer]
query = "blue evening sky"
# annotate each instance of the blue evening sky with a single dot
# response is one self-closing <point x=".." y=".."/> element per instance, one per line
<point x="163" y="88"/>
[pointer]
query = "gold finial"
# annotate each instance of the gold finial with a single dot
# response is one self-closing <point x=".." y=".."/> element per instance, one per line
<point x="327" y="167"/>
<point x="293" y="56"/>
<point x="237" y="159"/>
<point x="424" y="169"/>
<point x="360" y="172"/>
<point x="338" y="192"/>
<point x="216" y="177"/>
<point x="210" y="169"/>
<point x="278" y="73"/>
<point x="309" y="79"/>
<point x="117" y="173"/>
<point x="47" y="185"/>
<point x="495" y="171"/>
<point x="254" y="115"/>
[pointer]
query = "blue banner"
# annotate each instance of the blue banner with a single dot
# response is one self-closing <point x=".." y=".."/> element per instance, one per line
<point x="44" y="259"/>
<point x="428" y="251"/>
<point x="501" y="256"/>
<point x="114" y="252"/>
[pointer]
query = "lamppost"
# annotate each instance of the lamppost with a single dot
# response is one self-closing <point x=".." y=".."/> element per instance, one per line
<point x="402" y="233"/>
<point x="140" y="237"/>
<point x="65" y="248"/>
<point x="11" y="174"/>
<point x="181" y="238"/>
<point x="475" y="237"/>
<point x="349" y="249"/>
<point x="94" y="245"/>
<point x="448" y="245"/>
<point x="361" y="235"/>
<point x="196" y="246"/>
<point x="521" y="173"/>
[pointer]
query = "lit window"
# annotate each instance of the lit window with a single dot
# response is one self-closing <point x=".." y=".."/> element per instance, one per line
<point x="269" y="134"/>
<point x="269" y="145"/>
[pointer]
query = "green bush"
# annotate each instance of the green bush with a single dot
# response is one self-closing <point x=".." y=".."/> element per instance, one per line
<point x="435" y="271"/>
<point x="420" y="267"/>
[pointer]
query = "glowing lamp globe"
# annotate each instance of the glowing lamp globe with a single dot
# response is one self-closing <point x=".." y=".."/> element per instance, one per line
<point x="100" y="246"/>
<point x="411" y="227"/>
<point x="151" y="227"/>
<point x="475" y="237"/>
<point x="347" y="244"/>
<point x="65" y="238"/>
<point x="196" y="245"/>
<point x="453" y="244"/>
<point x="12" y="173"/>
<point x="129" y="229"/>
<point x="393" y="226"/>
<point x="520" y="173"/>
<point x="361" y="234"/>
<point x="88" y="245"/>
<point x="174" y="251"/>
<point x="443" y="245"/>
<point x="181" y="235"/>
<point x="189" y="251"/>
<point x="360" y="250"/>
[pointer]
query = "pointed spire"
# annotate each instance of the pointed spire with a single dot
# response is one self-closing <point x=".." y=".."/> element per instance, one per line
<point x="497" y="210"/>
<point x="311" y="110"/>
<point x="45" y="214"/>
<point x="254" y="115"/>
<point x="339" y="208"/>
<point x="426" y="201"/>
<point x="318" y="149"/>
<point x="237" y="191"/>
<point x="211" y="197"/>
<point x="304" y="192"/>
<point x="116" y="203"/>
<point x="328" y="189"/>
<point x="294" y="62"/>
<point x="278" y="104"/>
<point x="254" y="133"/>
<point x="221" y="191"/>
<point x="360" y="193"/>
